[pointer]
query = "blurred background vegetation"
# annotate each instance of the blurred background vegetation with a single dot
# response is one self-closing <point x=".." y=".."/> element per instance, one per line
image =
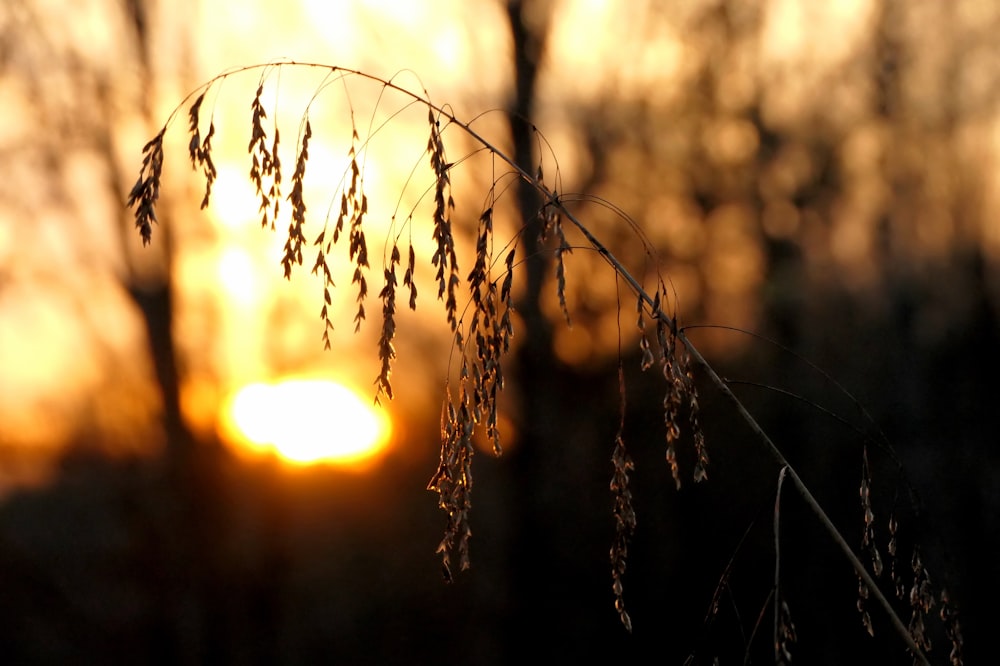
<point x="824" y="174"/>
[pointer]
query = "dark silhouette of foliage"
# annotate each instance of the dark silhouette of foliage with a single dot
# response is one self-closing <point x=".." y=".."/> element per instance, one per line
<point x="478" y="310"/>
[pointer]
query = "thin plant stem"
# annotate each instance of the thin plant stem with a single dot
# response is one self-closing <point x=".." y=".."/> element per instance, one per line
<point x="777" y="564"/>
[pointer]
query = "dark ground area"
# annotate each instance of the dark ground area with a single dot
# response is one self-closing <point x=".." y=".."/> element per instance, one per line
<point x="259" y="563"/>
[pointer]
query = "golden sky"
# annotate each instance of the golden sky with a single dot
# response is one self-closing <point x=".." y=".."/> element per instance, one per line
<point x="71" y="347"/>
<point x="71" y="343"/>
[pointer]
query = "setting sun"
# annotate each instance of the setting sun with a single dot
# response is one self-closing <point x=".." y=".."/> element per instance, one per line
<point x="308" y="421"/>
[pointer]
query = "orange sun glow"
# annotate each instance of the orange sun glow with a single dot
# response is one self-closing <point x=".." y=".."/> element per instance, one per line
<point x="307" y="421"/>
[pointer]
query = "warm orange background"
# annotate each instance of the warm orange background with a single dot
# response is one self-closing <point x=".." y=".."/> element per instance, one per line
<point x="825" y="173"/>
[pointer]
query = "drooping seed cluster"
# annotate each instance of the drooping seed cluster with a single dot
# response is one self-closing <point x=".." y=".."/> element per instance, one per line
<point x="952" y="629"/>
<point x="146" y="191"/>
<point x="919" y="595"/>
<point x="296" y="237"/>
<point x="353" y="208"/>
<point x="623" y="511"/>
<point x="265" y="162"/>
<point x="481" y="344"/>
<point x="681" y="394"/>
<point x="868" y="544"/>
<point x="200" y="150"/>
<point x="921" y="601"/>
<point x="785" y="635"/>
<point x="444" y="256"/>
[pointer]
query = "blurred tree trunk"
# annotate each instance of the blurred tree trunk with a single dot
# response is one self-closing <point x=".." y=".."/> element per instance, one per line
<point x="187" y="526"/>
<point x="535" y="367"/>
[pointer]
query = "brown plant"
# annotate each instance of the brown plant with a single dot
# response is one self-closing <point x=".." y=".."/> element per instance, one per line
<point x="478" y="310"/>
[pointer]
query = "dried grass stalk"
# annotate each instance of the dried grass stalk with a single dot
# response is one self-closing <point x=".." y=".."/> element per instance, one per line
<point x="265" y="165"/>
<point x="200" y="150"/>
<point x="952" y="630"/>
<point x="386" y="350"/>
<point x="623" y="511"/>
<point x="296" y="237"/>
<point x="921" y="601"/>
<point x="484" y="337"/>
<point x="453" y="481"/>
<point x="444" y="257"/>
<point x="146" y="191"/>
